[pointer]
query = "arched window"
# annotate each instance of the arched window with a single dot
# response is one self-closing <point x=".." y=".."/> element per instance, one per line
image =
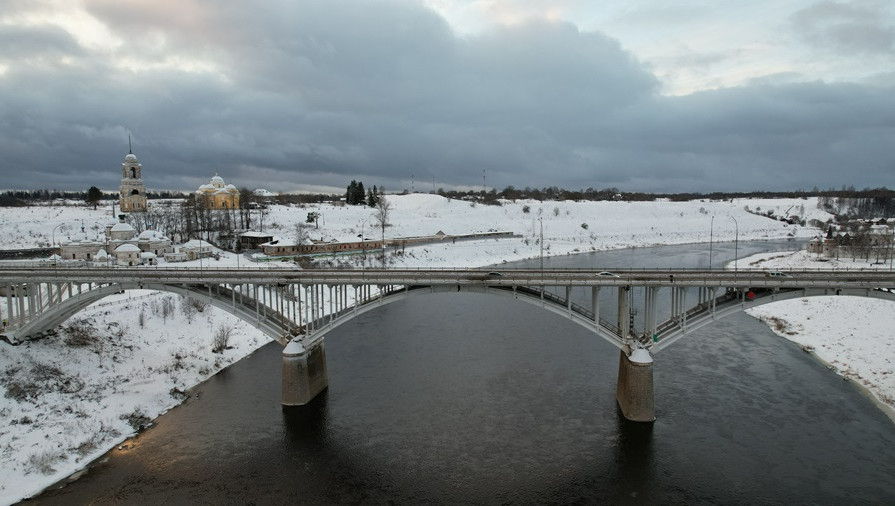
<point x="133" y="172"/>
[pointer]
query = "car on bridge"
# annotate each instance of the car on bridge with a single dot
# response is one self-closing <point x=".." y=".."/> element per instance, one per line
<point x="776" y="274"/>
<point x="607" y="274"/>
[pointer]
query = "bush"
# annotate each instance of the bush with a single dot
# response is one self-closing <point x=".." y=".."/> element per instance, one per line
<point x="41" y="378"/>
<point x="526" y="209"/>
<point x="80" y="333"/>
<point x="221" y="339"/>
<point x="44" y="461"/>
<point x="136" y="419"/>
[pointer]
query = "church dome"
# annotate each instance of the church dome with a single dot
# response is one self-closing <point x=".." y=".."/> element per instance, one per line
<point x="130" y="157"/>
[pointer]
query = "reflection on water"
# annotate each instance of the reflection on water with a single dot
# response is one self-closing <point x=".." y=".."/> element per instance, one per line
<point x="465" y="398"/>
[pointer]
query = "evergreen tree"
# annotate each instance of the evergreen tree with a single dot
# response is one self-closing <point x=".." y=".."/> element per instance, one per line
<point x="359" y="194"/>
<point x="350" y="194"/>
<point x="94" y="195"/>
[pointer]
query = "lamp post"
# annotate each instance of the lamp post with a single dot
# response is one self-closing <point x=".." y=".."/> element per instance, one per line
<point x="541" y="219"/>
<point x="363" y="244"/>
<point x="736" y="242"/>
<point x="54" y="236"/>
<point x="711" y="230"/>
<point x="108" y="253"/>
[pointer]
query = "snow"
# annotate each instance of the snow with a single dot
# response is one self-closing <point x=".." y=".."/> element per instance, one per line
<point x="850" y="334"/>
<point x="641" y="356"/>
<point x="130" y="371"/>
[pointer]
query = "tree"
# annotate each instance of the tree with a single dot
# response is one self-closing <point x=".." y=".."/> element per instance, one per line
<point x="302" y="235"/>
<point x="382" y="213"/>
<point x="94" y="195"/>
<point x="350" y="192"/>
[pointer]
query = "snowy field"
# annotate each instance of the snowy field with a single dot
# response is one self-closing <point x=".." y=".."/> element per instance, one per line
<point x="143" y="349"/>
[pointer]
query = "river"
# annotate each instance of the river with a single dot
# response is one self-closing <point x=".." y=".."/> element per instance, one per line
<point x="467" y="398"/>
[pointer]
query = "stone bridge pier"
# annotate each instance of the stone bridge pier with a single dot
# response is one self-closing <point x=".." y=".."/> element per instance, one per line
<point x="635" y="385"/>
<point x="634" y="391"/>
<point x="304" y="372"/>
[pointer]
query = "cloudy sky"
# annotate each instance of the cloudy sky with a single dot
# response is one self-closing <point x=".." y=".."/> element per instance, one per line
<point x="304" y="95"/>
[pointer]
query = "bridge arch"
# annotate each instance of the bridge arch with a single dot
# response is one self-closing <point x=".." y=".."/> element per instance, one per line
<point x="726" y="309"/>
<point x="528" y="296"/>
<point x="57" y="314"/>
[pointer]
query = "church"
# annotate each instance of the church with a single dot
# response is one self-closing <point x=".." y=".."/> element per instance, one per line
<point x="131" y="193"/>
<point x="218" y="195"/>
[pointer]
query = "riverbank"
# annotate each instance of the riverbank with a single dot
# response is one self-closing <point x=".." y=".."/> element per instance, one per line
<point x="851" y="335"/>
<point x="119" y="364"/>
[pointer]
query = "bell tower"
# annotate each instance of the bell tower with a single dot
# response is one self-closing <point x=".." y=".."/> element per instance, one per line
<point x="131" y="193"/>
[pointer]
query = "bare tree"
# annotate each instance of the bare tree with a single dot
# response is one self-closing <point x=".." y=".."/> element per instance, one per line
<point x="302" y="233"/>
<point x="382" y="213"/>
<point x="221" y="339"/>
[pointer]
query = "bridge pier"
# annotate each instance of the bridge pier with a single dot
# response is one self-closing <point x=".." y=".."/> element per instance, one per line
<point x="635" y="386"/>
<point x="304" y="372"/>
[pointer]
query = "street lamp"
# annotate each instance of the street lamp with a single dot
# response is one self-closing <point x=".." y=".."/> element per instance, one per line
<point x="106" y="235"/>
<point x="711" y="229"/>
<point x="736" y="242"/>
<point x="54" y="236"/>
<point x="541" y="219"/>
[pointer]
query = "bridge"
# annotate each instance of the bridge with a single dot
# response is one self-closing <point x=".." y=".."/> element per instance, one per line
<point x="648" y="309"/>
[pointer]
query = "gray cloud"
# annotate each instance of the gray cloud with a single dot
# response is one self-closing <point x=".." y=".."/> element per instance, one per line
<point x="309" y="93"/>
<point x="852" y="27"/>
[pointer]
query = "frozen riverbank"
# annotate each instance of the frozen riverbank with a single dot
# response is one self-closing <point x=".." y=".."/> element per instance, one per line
<point x="850" y="334"/>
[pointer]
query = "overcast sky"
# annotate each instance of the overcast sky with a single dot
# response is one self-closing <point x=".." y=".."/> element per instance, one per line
<point x="297" y="95"/>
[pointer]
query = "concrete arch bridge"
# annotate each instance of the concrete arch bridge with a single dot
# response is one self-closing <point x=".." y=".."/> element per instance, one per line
<point x="640" y="312"/>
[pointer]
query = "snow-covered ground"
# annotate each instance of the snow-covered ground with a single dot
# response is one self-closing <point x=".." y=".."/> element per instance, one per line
<point x="69" y="398"/>
<point x="851" y="334"/>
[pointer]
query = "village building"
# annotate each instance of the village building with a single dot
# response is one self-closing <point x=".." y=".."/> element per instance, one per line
<point x="218" y="195"/>
<point x="131" y="193"/>
<point x="127" y="254"/>
<point x="196" y="248"/>
<point x="253" y="239"/>
<point x="80" y="247"/>
<point x="152" y="241"/>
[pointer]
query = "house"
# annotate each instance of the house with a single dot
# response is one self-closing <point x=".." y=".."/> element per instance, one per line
<point x="127" y="254"/>
<point x="80" y="247"/>
<point x="254" y="240"/>
<point x="151" y="241"/>
<point x="197" y="248"/>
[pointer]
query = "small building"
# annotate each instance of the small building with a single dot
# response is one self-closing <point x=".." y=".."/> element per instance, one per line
<point x="121" y="231"/>
<point x="254" y="240"/>
<point x="197" y="248"/>
<point x="102" y="258"/>
<point x="148" y="258"/>
<point x="127" y="254"/>
<point x="80" y="247"/>
<point x="154" y="242"/>
<point x="288" y="248"/>
<point x="177" y="256"/>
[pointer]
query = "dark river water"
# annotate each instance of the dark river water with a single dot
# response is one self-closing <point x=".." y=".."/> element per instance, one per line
<point x="472" y="399"/>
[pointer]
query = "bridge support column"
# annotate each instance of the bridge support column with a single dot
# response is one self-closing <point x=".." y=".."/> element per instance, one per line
<point x="304" y="372"/>
<point x="635" y="386"/>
